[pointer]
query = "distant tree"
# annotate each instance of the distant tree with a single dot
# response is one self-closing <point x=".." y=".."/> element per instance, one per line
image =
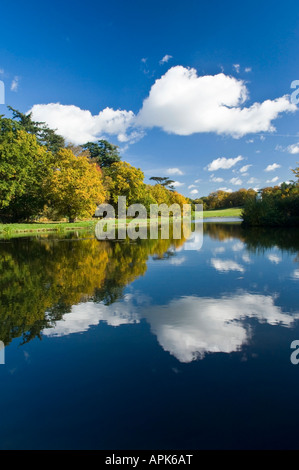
<point x="163" y="181"/>
<point x="76" y="186"/>
<point x="102" y="152"/>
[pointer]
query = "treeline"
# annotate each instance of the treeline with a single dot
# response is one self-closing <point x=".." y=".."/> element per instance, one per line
<point x="274" y="206"/>
<point x="43" y="178"/>
<point x="225" y="200"/>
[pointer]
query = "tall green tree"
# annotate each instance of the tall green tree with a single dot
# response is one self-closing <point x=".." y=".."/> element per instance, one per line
<point x="24" y="169"/>
<point x="103" y="153"/>
<point x="44" y="135"/>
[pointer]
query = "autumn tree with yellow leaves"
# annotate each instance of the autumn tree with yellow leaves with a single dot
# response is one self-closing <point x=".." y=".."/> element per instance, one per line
<point x="76" y="186"/>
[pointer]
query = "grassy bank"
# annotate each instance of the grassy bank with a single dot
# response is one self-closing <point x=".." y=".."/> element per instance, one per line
<point x="233" y="212"/>
<point x="60" y="227"/>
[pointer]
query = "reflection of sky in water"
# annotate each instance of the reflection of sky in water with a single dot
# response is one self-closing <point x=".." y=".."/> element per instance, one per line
<point x="199" y="302"/>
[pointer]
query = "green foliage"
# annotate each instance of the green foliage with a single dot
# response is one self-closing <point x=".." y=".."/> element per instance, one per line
<point x="102" y="152"/>
<point x="44" y="135"/>
<point x="277" y="206"/>
<point x="224" y="200"/>
<point x="24" y="169"/>
<point x="124" y="179"/>
<point x="75" y="187"/>
<point x="163" y="181"/>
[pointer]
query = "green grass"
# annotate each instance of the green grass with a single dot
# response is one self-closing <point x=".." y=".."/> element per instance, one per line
<point x="8" y="230"/>
<point x="11" y="229"/>
<point x="233" y="212"/>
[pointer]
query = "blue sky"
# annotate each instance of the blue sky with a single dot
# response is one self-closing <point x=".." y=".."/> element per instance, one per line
<point x="191" y="89"/>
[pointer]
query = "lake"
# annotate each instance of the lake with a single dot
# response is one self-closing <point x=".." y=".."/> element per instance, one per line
<point x="150" y="344"/>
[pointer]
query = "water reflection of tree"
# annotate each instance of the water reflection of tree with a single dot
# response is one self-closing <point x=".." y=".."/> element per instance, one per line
<point x="256" y="239"/>
<point x="41" y="279"/>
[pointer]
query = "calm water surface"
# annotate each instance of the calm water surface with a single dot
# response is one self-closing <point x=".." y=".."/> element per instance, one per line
<point x="150" y="344"/>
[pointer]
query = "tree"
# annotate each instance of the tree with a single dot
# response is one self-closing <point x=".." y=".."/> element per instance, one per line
<point x="296" y="173"/>
<point x="102" y="152"/>
<point x="24" y="169"/>
<point x="44" y="135"/>
<point x="76" y="186"/>
<point x="163" y="181"/>
<point x="124" y="179"/>
<point x="160" y="194"/>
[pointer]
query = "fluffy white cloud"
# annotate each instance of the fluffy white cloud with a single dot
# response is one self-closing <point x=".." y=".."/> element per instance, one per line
<point x="180" y="102"/>
<point x="177" y="184"/>
<point x="236" y="181"/>
<point x="211" y="325"/>
<point x="227" y="190"/>
<point x="208" y="325"/>
<point x="194" y="191"/>
<point x="276" y="259"/>
<point x="272" y="167"/>
<point x="216" y="180"/>
<point x="245" y="168"/>
<point x="79" y="126"/>
<point x="273" y="180"/>
<point x="174" y="171"/>
<point x="183" y="103"/>
<point x="223" y="163"/>
<point x="226" y="265"/>
<point x="293" y="149"/>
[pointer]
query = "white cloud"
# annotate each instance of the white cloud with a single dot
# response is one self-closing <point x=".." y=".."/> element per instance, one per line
<point x="276" y="259"/>
<point x="15" y="84"/>
<point x="223" y="163"/>
<point x="209" y="325"/>
<point x="177" y="184"/>
<point x="293" y="149"/>
<point x="174" y="171"/>
<point x="176" y="261"/>
<point x="165" y="59"/>
<point x="272" y="167"/>
<point x="183" y="103"/>
<point x="273" y="180"/>
<point x="227" y="190"/>
<point x="296" y="274"/>
<point x="226" y="265"/>
<point x="191" y="186"/>
<point x="180" y="102"/>
<point x="194" y="191"/>
<point x="238" y="246"/>
<point x="144" y="60"/>
<point x="248" y="69"/>
<point x="237" y="67"/>
<point x="197" y="181"/>
<point x="236" y="181"/>
<point x="216" y="180"/>
<point x="79" y="126"/>
<point x="245" y="168"/>
<point x="252" y="181"/>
